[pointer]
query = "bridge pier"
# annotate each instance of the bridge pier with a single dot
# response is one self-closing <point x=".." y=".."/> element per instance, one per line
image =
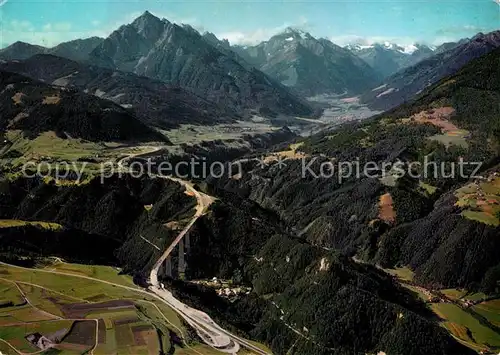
<point x="182" y="260"/>
<point x="168" y="267"/>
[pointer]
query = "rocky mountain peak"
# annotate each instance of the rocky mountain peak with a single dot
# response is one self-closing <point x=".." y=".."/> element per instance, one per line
<point x="296" y="33"/>
<point x="149" y="26"/>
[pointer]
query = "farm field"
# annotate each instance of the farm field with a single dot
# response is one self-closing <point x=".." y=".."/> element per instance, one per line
<point x="464" y="326"/>
<point x="403" y="273"/>
<point x="83" y="314"/>
<point x="453" y="293"/>
<point x="490" y="310"/>
<point x="480" y="201"/>
<point x="79" y="315"/>
<point x="107" y="273"/>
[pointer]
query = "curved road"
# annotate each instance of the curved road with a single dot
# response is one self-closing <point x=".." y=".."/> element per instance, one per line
<point x="211" y="333"/>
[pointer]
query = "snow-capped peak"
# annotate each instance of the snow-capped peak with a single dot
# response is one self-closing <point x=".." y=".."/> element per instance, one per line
<point x="296" y="32"/>
<point x="405" y="49"/>
<point x="409" y="49"/>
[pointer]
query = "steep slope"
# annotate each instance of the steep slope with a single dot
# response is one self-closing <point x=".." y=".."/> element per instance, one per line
<point x="35" y="107"/>
<point x="404" y="85"/>
<point x="452" y="246"/>
<point x="20" y="50"/>
<point x="78" y="49"/>
<point x="308" y="65"/>
<point x="154" y="102"/>
<point x="443" y="226"/>
<point x="304" y="299"/>
<point x="179" y="55"/>
<point x="388" y="58"/>
<point x="108" y="212"/>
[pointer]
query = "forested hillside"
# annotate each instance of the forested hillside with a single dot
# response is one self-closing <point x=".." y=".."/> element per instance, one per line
<point x="444" y="228"/>
<point x="154" y="102"/>
<point x="305" y="299"/>
<point x="35" y="107"/>
<point x="110" y="214"/>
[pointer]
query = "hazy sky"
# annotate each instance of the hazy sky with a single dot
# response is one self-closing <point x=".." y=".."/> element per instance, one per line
<point x="430" y="21"/>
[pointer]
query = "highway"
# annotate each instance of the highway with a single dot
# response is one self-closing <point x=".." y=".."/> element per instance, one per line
<point x="209" y="331"/>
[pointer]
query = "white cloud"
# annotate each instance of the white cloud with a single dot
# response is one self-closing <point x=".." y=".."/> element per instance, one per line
<point x="48" y="35"/>
<point x="57" y="27"/>
<point x="457" y="30"/>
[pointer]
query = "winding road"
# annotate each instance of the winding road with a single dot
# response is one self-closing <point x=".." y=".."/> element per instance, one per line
<point x="209" y="331"/>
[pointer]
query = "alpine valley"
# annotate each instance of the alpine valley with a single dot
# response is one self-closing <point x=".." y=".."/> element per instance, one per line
<point x="165" y="191"/>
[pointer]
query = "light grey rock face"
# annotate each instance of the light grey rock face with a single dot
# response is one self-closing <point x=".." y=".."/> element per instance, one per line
<point x="179" y="55"/>
<point x="310" y="66"/>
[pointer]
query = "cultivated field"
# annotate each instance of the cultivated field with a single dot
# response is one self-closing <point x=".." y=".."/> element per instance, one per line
<point x="490" y="310"/>
<point x="480" y="201"/>
<point x="464" y="326"/>
<point x="78" y="315"/>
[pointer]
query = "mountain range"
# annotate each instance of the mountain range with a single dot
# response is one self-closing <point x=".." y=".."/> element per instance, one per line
<point x="180" y="56"/>
<point x="154" y="102"/>
<point x="269" y="78"/>
<point x="78" y="49"/>
<point x="308" y="65"/>
<point x="388" y="58"/>
<point x="407" y="83"/>
<point x="35" y="107"/>
<point x="370" y="263"/>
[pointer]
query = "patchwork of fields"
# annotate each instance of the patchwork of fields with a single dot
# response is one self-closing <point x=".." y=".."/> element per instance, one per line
<point x="480" y="201"/>
<point x="41" y="310"/>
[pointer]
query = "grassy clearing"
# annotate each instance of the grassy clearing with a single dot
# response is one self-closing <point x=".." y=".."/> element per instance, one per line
<point x="21" y="314"/>
<point x="10" y="223"/>
<point x="9" y="294"/>
<point x="192" y="134"/>
<point x="49" y="145"/>
<point x="100" y="272"/>
<point x="459" y="331"/>
<point x="81" y="155"/>
<point x="403" y="273"/>
<point x="481" y="335"/>
<point x="490" y="310"/>
<point x="431" y="190"/>
<point x="476" y="296"/>
<point x="481" y="201"/>
<point x="481" y="217"/>
<point x="42" y="299"/>
<point x="448" y="140"/>
<point x="453" y="293"/>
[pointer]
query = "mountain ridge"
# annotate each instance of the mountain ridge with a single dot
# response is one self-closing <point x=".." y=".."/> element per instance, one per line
<point x="407" y="83"/>
<point x="308" y="65"/>
<point x="154" y="102"/>
<point x="180" y="56"/>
